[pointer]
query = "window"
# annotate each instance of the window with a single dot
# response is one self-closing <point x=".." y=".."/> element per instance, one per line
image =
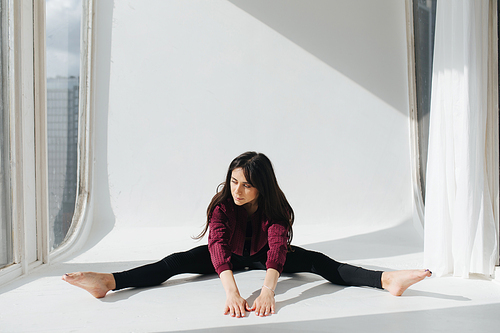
<point x="45" y="136"/>
<point x="63" y="38"/>
<point x="424" y="20"/>
<point x="5" y="225"/>
<point x="421" y="18"/>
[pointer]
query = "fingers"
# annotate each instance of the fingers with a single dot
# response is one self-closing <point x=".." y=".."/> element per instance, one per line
<point x="236" y="310"/>
<point x="264" y="310"/>
<point x="261" y="307"/>
<point x="233" y="312"/>
<point x="250" y="308"/>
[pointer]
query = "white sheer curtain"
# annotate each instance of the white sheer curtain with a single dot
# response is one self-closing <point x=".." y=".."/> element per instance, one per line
<point x="461" y="235"/>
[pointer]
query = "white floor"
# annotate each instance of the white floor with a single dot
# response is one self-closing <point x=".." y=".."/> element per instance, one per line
<point x="42" y="302"/>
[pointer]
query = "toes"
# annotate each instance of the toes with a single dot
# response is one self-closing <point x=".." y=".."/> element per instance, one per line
<point x="66" y="277"/>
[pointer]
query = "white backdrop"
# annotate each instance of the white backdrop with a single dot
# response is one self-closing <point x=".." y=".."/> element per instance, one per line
<point x="195" y="83"/>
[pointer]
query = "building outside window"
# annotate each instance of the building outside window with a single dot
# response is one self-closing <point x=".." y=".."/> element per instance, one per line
<point x="63" y="37"/>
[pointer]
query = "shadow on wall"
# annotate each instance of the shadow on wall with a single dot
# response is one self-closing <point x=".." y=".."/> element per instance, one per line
<point x="339" y="33"/>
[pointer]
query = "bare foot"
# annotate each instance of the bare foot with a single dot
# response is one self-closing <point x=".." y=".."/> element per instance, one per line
<point x="398" y="281"/>
<point x="98" y="284"/>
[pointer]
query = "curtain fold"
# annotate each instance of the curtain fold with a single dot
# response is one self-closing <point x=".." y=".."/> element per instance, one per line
<point x="460" y="235"/>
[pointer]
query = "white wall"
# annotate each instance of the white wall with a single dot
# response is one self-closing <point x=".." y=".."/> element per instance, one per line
<point x="192" y="84"/>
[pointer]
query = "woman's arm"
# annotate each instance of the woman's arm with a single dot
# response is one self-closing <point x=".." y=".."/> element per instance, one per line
<point x="277" y="237"/>
<point x="220" y="253"/>
<point x="219" y="236"/>
<point x="265" y="304"/>
<point x="235" y="304"/>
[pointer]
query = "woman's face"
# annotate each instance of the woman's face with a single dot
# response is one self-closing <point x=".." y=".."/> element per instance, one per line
<point x="243" y="192"/>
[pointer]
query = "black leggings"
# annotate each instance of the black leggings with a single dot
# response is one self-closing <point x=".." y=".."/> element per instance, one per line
<point x="197" y="260"/>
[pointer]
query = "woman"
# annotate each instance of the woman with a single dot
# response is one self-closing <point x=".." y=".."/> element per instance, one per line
<point x="250" y="225"/>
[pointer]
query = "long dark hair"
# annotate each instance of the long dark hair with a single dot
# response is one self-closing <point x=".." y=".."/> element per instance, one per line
<point x="259" y="172"/>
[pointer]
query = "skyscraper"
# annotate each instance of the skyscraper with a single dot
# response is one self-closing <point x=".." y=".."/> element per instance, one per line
<point x="62" y="139"/>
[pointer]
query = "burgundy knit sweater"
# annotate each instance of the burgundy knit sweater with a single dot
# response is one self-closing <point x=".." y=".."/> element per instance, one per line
<point x="227" y="235"/>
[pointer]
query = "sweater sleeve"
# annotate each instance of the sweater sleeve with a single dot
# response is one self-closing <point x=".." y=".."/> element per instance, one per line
<point x="218" y="241"/>
<point x="277" y="239"/>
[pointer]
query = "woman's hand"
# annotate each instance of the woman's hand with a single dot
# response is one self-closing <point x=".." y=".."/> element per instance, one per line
<point x="236" y="305"/>
<point x="265" y="304"/>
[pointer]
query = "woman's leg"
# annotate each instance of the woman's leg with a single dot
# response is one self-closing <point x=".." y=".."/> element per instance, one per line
<point x="196" y="260"/>
<point x="301" y="260"/>
<point x="396" y="282"/>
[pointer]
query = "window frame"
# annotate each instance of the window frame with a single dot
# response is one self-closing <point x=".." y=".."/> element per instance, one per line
<point x="78" y="224"/>
<point x="418" y="202"/>
<point x="5" y="124"/>
<point x="27" y="113"/>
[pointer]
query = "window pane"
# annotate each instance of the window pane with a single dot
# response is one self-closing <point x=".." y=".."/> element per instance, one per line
<point x="63" y="20"/>
<point x="5" y="226"/>
<point x="424" y="17"/>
